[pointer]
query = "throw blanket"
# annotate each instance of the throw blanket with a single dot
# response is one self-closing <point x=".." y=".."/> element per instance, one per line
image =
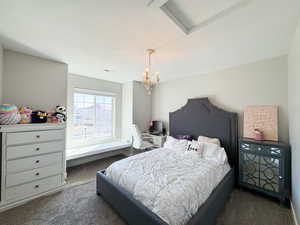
<point x="171" y="183"/>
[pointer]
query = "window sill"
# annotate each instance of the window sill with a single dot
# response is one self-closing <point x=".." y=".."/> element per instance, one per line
<point x="76" y="153"/>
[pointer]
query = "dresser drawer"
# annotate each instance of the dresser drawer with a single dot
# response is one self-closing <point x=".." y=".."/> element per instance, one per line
<point x="33" y="188"/>
<point x="32" y="175"/>
<point x="19" y="138"/>
<point x="15" y="152"/>
<point x="21" y="165"/>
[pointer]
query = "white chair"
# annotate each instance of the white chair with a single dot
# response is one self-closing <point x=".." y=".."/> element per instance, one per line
<point x="140" y="142"/>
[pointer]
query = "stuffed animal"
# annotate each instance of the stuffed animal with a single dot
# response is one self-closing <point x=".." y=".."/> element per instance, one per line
<point x="60" y="113"/>
<point x="25" y="113"/>
<point x="39" y="116"/>
<point x="51" y="118"/>
<point x="9" y="114"/>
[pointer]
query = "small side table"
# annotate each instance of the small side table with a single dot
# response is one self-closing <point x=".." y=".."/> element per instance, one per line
<point x="265" y="166"/>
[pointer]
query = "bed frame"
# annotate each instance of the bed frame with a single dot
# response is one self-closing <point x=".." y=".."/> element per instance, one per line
<point x="197" y="117"/>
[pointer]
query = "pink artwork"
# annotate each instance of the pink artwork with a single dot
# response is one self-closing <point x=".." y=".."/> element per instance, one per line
<point x="263" y="118"/>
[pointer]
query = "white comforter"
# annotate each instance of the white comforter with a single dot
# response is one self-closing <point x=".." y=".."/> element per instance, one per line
<point x="169" y="182"/>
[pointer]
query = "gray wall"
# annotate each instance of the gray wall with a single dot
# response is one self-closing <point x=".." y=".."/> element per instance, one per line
<point x="1" y="72"/>
<point x="142" y="109"/>
<point x="33" y="81"/>
<point x="77" y="81"/>
<point x="261" y="83"/>
<point x="137" y="108"/>
<point x="127" y="111"/>
<point x="294" y="119"/>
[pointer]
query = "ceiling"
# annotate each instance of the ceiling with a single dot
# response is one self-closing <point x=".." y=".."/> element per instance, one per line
<point x="94" y="35"/>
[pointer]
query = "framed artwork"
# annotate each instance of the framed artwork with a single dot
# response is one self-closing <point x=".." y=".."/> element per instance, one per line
<point x="263" y="118"/>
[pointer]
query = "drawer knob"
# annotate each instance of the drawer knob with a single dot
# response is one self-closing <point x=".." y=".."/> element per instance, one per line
<point x="38" y="136"/>
<point x="37" y="149"/>
<point x="37" y="186"/>
<point x="37" y="161"/>
<point x="37" y="174"/>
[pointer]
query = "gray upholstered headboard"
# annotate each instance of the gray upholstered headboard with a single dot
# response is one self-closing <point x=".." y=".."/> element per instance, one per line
<point x="200" y="117"/>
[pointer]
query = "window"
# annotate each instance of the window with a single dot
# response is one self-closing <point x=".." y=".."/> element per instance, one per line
<point x="93" y="117"/>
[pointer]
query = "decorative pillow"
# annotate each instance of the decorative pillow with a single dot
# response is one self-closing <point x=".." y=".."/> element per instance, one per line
<point x="184" y="137"/>
<point x="194" y="147"/>
<point x="209" y="140"/>
<point x="214" y="153"/>
<point x="173" y="143"/>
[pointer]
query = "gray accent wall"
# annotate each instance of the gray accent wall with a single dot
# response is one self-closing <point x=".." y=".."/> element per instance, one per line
<point x="260" y="83"/>
<point x="33" y="81"/>
<point x="294" y="117"/>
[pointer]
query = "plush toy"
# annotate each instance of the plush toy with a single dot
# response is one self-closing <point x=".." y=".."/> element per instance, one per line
<point x="60" y="113"/>
<point x="51" y="118"/>
<point x="25" y="113"/>
<point x="9" y="114"/>
<point x="39" y="116"/>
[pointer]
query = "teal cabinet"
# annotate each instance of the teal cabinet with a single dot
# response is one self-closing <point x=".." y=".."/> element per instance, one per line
<point x="265" y="166"/>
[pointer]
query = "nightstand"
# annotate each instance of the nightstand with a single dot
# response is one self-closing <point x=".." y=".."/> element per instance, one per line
<point x="265" y="166"/>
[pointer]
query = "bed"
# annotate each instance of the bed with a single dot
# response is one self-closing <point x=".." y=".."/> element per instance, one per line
<point x="197" y="118"/>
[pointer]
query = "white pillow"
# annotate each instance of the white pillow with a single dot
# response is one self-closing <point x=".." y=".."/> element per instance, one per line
<point x="176" y="144"/>
<point x="194" y="147"/>
<point x="214" y="153"/>
<point x="209" y="140"/>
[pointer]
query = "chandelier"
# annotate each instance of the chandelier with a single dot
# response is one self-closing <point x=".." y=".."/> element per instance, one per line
<point x="150" y="77"/>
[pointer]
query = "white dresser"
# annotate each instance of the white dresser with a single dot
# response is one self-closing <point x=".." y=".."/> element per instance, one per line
<point x="32" y="162"/>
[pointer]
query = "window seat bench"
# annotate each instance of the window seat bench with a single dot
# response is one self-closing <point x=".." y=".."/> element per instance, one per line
<point x="90" y="151"/>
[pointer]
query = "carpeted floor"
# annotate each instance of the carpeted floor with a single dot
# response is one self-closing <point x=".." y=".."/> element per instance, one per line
<point x="87" y="172"/>
<point x="79" y="205"/>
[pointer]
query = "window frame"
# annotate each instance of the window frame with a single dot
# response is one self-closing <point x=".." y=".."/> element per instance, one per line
<point x="88" y="141"/>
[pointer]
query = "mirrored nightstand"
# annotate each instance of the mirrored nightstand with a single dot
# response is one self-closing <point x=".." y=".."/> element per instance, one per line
<point x="265" y="166"/>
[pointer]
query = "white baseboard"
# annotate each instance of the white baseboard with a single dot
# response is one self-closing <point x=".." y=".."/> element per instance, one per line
<point x="294" y="214"/>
